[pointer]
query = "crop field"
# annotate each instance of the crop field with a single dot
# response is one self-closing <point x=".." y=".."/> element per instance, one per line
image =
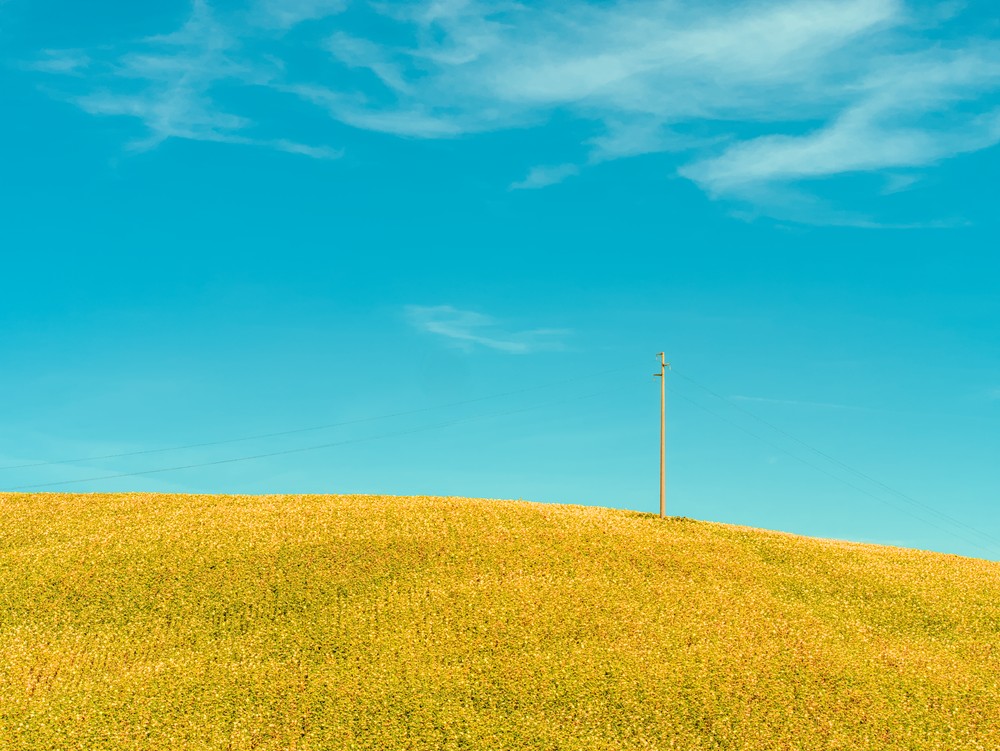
<point x="137" y="621"/>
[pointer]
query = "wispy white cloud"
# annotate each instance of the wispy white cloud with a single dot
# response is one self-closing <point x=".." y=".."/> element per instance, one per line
<point x="417" y="121"/>
<point x="284" y="14"/>
<point x="897" y="183"/>
<point x="168" y="81"/>
<point x="761" y="101"/>
<point x="466" y="328"/>
<point x="884" y="129"/>
<point x="66" y="62"/>
<point x="672" y="62"/>
<point x="641" y="70"/>
<point x="545" y="175"/>
<point x="635" y="136"/>
<point x="293" y="147"/>
<point x="362" y="53"/>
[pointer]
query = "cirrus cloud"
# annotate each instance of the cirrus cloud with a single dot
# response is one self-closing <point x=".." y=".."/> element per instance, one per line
<point x="758" y="102"/>
<point x="467" y="329"/>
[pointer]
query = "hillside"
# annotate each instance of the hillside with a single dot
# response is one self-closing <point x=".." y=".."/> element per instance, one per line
<point x="140" y="621"/>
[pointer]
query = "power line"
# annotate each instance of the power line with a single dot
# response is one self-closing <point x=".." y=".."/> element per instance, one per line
<point x="842" y="464"/>
<point x="313" y="428"/>
<point x="991" y="551"/>
<point x="913" y="502"/>
<point x="315" y="447"/>
<point x="858" y="473"/>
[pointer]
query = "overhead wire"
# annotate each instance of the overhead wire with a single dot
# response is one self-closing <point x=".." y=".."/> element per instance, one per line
<point x="314" y="428"/>
<point x="843" y="465"/>
<point x="833" y="460"/>
<point x="317" y="447"/>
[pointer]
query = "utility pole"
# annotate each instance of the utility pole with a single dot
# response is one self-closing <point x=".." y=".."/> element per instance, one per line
<point x="662" y="375"/>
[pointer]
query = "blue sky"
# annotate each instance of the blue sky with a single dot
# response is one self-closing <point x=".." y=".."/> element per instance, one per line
<point x="466" y="228"/>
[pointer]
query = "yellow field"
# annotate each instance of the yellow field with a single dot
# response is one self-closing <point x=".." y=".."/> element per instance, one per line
<point x="345" y="622"/>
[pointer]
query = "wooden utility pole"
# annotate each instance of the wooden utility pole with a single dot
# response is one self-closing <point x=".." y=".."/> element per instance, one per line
<point x="662" y="375"/>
